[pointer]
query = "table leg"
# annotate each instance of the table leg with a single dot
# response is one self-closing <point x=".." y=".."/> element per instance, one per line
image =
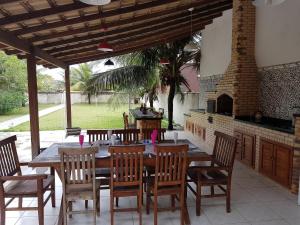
<point x="61" y="213"/>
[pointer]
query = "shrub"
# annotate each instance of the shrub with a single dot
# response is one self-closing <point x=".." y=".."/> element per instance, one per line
<point x="11" y="100"/>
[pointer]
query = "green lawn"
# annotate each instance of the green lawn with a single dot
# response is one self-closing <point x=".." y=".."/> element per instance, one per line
<point x="100" y="116"/>
<point x="21" y="112"/>
<point x="83" y="115"/>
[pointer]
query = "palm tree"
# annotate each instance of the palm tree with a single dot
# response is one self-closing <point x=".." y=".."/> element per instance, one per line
<point x="80" y="77"/>
<point x="142" y="70"/>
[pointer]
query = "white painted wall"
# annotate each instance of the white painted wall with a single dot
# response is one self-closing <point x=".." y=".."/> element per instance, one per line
<point x="216" y="46"/>
<point x="191" y="101"/>
<point x="278" y="34"/>
<point x="76" y="97"/>
<point x="277" y="38"/>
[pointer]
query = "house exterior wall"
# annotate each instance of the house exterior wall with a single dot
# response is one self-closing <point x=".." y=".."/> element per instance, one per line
<point x="277" y="57"/>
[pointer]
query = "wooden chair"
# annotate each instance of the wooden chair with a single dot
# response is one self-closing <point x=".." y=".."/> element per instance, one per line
<point x="78" y="179"/>
<point x="170" y="172"/>
<point x="126" y="176"/>
<point x="218" y="173"/>
<point x="15" y="185"/>
<point x="146" y="133"/>
<point x="127" y="125"/>
<point x="125" y="135"/>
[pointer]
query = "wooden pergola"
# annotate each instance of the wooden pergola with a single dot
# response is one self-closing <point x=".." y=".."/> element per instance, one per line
<point x="59" y="33"/>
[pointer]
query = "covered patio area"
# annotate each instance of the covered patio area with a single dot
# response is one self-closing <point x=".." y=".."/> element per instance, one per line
<point x="237" y="88"/>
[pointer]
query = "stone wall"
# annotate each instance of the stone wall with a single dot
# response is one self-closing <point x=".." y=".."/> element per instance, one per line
<point x="280" y="90"/>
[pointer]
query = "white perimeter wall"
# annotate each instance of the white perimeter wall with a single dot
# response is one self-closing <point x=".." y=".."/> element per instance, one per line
<point x="277" y="38"/>
<point x="191" y="101"/>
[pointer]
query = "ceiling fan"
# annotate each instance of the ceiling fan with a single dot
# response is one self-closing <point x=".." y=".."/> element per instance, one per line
<point x="96" y="2"/>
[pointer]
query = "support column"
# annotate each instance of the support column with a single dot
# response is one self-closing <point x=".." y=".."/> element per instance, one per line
<point x="33" y="105"/>
<point x="68" y="97"/>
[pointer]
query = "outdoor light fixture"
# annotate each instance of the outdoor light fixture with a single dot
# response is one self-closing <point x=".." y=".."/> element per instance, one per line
<point x="258" y="3"/>
<point x="105" y="47"/>
<point x="109" y="63"/>
<point x="96" y="2"/>
<point x="164" y="61"/>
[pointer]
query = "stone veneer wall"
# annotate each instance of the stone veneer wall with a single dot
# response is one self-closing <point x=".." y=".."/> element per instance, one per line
<point x="280" y="90"/>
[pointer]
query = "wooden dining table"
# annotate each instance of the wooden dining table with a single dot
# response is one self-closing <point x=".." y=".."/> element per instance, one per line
<point x="50" y="158"/>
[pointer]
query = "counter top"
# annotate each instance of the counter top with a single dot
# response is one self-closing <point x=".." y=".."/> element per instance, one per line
<point x="285" y="128"/>
<point x="138" y="115"/>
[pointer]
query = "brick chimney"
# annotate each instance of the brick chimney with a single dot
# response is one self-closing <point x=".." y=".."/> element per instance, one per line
<point x="240" y="81"/>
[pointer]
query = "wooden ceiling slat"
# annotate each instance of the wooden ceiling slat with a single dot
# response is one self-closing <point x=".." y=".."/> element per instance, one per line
<point x="137" y="36"/>
<point x="128" y="37"/>
<point x="118" y="11"/>
<point x="155" y="16"/>
<point x="125" y="50"/>
<point x="61" y="34"/>
<point x="23" y="45"/>
<point x="43" y="13"/>
<point x="128" y="30"/>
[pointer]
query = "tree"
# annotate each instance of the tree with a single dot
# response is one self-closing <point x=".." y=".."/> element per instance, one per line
<point x="80" y="77"/>
<point x="141" y="69"/>
<point x="13" y="82"/>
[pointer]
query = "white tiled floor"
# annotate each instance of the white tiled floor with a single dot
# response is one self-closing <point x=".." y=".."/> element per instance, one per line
<point x="256" y="200"/>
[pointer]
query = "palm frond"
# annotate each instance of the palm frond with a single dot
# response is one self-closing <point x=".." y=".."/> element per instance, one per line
<point x="128" y="77"/>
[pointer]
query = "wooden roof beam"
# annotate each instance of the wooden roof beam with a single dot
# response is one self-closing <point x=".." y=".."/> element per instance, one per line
<point x="94" y="39"/>
<point x="132" y="36"/>
<point x="129" y="48"/>
<point x="119" y="11"/>
<point x="10" y="40"/>
<point x="168" y="14"/>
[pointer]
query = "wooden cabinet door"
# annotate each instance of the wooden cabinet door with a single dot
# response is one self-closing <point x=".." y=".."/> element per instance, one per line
<point x="266" y="158"/>
<point x="248" y="150"/>
<point x="239" y="137"/>
<point x="282" y="166"/>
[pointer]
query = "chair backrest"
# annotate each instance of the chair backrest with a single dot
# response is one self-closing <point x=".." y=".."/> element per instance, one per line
<point x="95" y="135"/>
<point x="127" y="164"/>
<point x="125" y="119"/>
<point x="125" y="135"/>
<point x="77" y="168"/>
<point x="170" y="168"/>
<point x="9" y="161"/>
<point x="224" y="150"/>
<point x="146" y="133"/>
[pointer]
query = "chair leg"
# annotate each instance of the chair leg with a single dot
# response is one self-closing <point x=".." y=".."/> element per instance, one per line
<point x="86" y="204"/>
<point x="98" y="203"/>
<point x="41" y="209"/>
<point x="117" y="202"/>
<point x="148" y="200"/>
<point x="155" y="209"/>
<point x="140" y="206"/>
<point x="20" y="203"/>
<point x="173" y="202"/>
<point x="52" y="172"/>
<point x="228" y="193"/>
<point x="65" y="214"/>
<point x="2" y="211"/>
<point x="182" y="199"/>
<point x="70" y="206"/>
<point x="111" y="209"/>
<point x="212" y="190"/>
<point x="95" y="207"/>
<point x="198" y="199"/>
